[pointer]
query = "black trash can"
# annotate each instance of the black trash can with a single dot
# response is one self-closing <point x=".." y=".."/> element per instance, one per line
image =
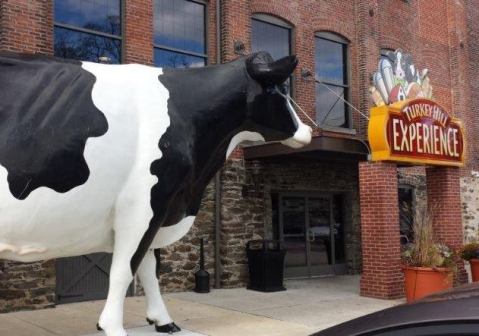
<point x="266" y="265"/>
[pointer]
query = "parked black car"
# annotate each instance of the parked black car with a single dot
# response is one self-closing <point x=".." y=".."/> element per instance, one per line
<point x="448" y="313"/>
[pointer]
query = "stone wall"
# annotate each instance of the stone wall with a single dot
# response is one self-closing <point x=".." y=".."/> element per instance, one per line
<point x="180" y="261"/>
<point x="414" y="178"/>
<point x="26" y="285"/>
<point x="241" y="221"/>
<point x="470" y="205"/>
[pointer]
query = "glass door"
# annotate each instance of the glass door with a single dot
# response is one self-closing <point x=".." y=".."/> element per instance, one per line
<point x="321" y="246"/>
<point x="311" y="229"/>
<point x="292" y="216"/>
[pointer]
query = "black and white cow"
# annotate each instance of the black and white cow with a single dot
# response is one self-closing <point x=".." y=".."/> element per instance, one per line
<point x="115" y="158"/>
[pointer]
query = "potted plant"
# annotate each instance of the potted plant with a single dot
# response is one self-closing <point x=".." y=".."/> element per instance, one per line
<point x="470" y="252"/>
<point x="428" y="265"/>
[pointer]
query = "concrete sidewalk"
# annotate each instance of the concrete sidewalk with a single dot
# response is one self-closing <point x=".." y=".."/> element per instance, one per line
<point x="306" y="307"/>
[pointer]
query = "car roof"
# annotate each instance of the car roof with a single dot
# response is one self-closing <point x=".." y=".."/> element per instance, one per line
<point x="460" y="304"/>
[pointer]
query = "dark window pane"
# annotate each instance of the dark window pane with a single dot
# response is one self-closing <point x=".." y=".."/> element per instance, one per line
<point x="330" y="109"/>
<point x="100" y="15"/>
<point x="271" y="38"/>
<point x="180" y="24"/>
<point x="170" y="59"/>
<point x="330" y="61"/>
<point x="86" y="47"/>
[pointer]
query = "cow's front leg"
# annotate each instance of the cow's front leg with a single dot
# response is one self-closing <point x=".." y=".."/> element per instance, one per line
<point x="156" y="310"/>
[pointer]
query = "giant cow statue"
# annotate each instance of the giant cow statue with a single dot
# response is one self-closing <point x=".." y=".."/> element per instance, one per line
<point x="115" y="158"/>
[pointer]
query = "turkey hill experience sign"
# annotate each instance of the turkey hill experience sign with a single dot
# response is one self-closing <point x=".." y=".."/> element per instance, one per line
<point x="406" y="125"/>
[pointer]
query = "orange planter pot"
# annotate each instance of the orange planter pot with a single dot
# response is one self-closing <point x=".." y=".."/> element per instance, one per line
<point x="422" y="281"/>
<point x="474" y="269"/>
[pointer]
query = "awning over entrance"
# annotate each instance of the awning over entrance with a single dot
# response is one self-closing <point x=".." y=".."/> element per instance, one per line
<point x="348" y="148"/>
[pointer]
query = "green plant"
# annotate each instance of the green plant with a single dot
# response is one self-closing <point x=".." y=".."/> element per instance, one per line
<point x="424" y="251"/>
<point x="470" y="251"/>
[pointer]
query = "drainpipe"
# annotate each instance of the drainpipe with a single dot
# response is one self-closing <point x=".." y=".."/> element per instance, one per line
<point x="218" y="174"/>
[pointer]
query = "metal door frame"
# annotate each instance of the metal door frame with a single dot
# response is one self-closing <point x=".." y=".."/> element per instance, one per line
<point x="307" y="271"/>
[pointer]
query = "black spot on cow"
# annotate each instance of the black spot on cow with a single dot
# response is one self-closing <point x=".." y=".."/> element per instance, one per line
<point x="46" y="117"/>
<point x="207" y="107"/>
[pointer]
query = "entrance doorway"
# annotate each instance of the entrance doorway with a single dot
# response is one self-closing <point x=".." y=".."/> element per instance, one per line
<point x="310" y="226"/>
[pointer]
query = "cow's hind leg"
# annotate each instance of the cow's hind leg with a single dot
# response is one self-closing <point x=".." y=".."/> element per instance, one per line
<point x="156" y="310"/>
<point x="127" y="238"/>
<point x="111" y="319"/>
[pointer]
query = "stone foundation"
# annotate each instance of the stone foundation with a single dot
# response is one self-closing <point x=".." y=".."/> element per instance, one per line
<point x="470" y="206"/>
<point x="25" y="286"/>
<point x="180" y="261"/>
<point x="241" y="221"/>
<point x="416" y="179"/>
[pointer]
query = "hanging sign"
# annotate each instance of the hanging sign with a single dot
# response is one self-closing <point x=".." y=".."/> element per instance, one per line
<point x="407" y="125"/>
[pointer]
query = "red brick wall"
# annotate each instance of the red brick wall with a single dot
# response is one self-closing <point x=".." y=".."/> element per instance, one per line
<point x="472" y="13"/>
<point x="378" y="188"/>
<point x="26" y="26"/>
<point x="434" y="32"/>
<point x="443" y="197"/>
<point x="138" y="32"/>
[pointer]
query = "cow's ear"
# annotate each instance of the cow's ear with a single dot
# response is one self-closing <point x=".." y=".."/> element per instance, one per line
<point x="270" y="73"/>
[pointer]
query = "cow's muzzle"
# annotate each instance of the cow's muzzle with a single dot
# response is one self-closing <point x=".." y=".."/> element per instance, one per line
<point x="301" y="137"/>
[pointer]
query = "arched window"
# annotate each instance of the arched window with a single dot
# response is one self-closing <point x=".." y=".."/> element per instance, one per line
<point x="331" y="69"/>
<point x="383" y="53"/>
<point x="179" y="38"/>
<point x="271" y="34"/>
<point x="88" y="30"/>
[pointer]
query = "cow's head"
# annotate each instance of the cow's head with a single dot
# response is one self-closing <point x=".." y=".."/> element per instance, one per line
<point x="269" y="112"/>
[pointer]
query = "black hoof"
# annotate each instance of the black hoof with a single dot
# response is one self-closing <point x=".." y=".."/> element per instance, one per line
<point x="98" y="327"/>
<point x="150" y="322"/>
<point x="169" y="328"/>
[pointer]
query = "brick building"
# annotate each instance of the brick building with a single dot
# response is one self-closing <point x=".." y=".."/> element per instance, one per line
<point x="336" y="212"/>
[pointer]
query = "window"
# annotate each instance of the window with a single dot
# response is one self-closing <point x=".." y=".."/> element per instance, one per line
<point x="179" y="33"/>
<point x="88" y="30"/>
<point x="383" y="53"/>
<point x="272" y="35"/>
<point x="332" y="70"/>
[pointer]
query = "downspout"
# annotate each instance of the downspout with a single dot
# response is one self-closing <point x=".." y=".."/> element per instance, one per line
<point x="218" y="174"/>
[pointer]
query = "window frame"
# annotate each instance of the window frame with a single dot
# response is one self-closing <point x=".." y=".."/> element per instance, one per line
<point x="99" y="33"/>
<point x="182" y="51"/>
<point x="384" y="51"/>
<point x="279" y="22"/>
<point x="333" y="37"/>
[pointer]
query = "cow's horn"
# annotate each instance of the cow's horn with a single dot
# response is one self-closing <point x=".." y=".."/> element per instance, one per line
<point x="262" y="68"/>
